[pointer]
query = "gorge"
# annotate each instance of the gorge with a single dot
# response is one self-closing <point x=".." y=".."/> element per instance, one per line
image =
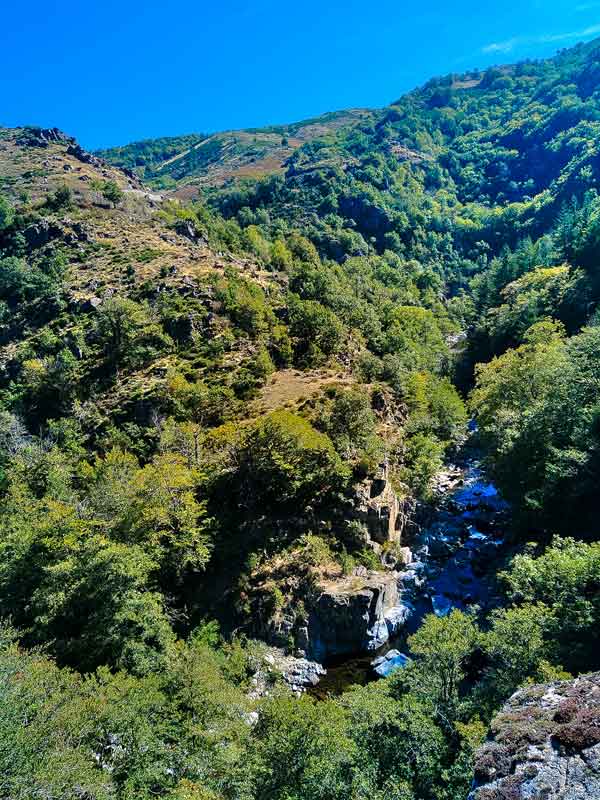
<point x="300" y="452"/>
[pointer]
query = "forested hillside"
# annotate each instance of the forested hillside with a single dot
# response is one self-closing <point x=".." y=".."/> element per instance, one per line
<point x="224" y="422"/>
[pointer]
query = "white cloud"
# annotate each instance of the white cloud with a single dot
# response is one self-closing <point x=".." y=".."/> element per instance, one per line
<point x="501" y="47"/>
<point x="518" y="41"/>
<point x="562" y="37"/>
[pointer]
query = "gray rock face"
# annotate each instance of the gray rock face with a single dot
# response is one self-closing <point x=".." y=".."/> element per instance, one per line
<point x="545" y="745"/>
<point x="377" y="506"/>
<point x="354" y="615"/>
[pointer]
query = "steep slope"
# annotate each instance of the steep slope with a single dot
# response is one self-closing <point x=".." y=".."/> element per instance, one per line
<point x="452" y="171"/>
<point x="102" y="249"/>
<point x="36" y="163"/>
<point x="480" y="192"/>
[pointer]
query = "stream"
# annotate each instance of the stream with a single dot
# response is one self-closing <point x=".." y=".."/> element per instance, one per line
<point x="454" y="558"/>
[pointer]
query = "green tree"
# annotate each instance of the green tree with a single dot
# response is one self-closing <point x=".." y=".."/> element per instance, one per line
<point x="317" y="332"/>
<point x="7" y="213"/>
<point x="302" y="751"/>
<point x="401" y="747"/>
<point x="112" y="192"/>
<point x="351" y="424"/>
<point x="283" y="461"/>
<point x="414" y="334"/>
<point x="518" y="647"/>
<point x="61" y="199"/>
<point x="129" y="335"/>
<point x="565" y="578"/>
<point x="442" y="647"/>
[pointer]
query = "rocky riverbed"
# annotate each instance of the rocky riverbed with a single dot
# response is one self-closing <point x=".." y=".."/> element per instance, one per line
<point x="451" y="564"/>
<point x="458" y="546"/>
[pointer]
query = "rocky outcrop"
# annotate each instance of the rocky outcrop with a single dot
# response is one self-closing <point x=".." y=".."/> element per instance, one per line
<point x="319" y="611"/>
<point x="77" y="151"/>
<point x="353" y="615"/>
<point x="376" y="505"/>
<point x="187" y="228"/>
<point x="325" y="616"/>
<point x="545" y="745"/>
<point x="298" y="674"/>
<point x="43" y="137"/>
<point x="45" y="230"/>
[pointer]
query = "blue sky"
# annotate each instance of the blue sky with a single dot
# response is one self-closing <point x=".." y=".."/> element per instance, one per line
<point x="110" y="72"/>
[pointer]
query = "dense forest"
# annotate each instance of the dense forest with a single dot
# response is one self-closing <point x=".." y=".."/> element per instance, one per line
<point x="191" y="391"/>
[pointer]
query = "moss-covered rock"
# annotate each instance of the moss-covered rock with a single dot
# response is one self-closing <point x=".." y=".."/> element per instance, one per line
<point x="545" y="745"/>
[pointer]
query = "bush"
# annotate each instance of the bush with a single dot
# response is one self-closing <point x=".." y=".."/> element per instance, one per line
<point x="112" y="192"/>
<point x="581" y="732"/>
<point x="60" y="200"/>
<point x="7" y="213"/>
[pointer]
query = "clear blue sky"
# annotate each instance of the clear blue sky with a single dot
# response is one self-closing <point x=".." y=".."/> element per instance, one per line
<point x="111" y="71"/>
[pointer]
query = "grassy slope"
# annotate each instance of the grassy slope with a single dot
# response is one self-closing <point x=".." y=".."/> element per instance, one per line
<point x="199" y="160"/>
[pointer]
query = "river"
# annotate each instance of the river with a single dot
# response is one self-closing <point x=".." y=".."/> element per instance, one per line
<point x="455" y="557"/>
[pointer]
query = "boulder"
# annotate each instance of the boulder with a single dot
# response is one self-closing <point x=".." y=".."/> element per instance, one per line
<point x="186" y="227"/>
<point x="299" y="674"/>
<point x="390" y="662"/>
<point x="43" y="231"/>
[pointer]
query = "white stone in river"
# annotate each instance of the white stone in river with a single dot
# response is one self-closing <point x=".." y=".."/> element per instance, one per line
<point x="475" y="534"/>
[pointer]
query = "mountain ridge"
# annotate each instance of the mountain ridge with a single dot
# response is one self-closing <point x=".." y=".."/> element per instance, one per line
<point x="258" y="159"/>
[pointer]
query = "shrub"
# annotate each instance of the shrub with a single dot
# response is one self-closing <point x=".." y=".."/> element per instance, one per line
<point x="61" y="199"/>
<point x="112" y="192"/>
<point x="493" y="761"/>
<point x="581" y="732"/>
